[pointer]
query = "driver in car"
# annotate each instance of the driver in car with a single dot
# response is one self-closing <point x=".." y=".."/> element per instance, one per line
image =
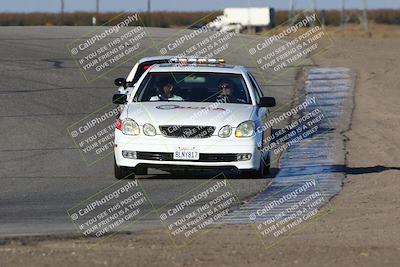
<point x="165" y="91"/>
<point x="227" y="93"/>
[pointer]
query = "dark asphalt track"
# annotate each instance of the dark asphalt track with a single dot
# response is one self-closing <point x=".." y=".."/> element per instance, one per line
<point x="42" y="92"/>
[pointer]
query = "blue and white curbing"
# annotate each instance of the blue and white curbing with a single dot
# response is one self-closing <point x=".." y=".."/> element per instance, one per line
<point x="320" y="158"/>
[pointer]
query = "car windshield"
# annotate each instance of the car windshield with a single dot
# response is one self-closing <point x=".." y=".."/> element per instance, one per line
<point x="193" y="87"/>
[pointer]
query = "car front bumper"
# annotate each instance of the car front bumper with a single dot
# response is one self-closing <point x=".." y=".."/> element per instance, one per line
<point x="214" y="151"/>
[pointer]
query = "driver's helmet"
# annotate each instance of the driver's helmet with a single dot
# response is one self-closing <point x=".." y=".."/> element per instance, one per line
<point x="160" y="84"/>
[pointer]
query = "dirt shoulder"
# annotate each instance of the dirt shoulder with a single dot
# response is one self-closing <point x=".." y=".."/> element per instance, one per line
<point x="363" y="230"/>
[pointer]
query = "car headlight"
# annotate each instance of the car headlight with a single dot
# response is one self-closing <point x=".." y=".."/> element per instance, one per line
<point x="245" y="129"/>
<point x="225" y="131"/>
<point x="149" y="129"/>
<point x="130" y="127"/>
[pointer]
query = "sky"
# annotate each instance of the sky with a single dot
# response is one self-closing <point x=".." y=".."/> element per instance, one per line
<point x="179" y="5"/>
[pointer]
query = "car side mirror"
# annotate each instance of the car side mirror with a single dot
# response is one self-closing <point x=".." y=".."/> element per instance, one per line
<point x="120" y="82"/>
<point x="119" y="99"/>
<point x="267" y="102"/>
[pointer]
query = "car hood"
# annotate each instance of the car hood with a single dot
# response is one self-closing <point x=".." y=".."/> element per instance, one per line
<point x="189" y="113"/>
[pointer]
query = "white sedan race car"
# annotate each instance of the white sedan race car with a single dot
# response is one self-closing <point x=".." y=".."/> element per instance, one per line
<point x="193" y="113"/>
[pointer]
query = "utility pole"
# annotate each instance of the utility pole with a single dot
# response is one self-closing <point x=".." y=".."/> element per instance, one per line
<point x="314" y="5"/>
<point x="365" y="16"/>
<point x="97" y="10"/>
<point x="149" y="12"/>
<point x="291" y="12"/>
<point x="314" y="8"/>
<point x="291" y="7"/>
<point x="342" y="15"/>
<point x="249" y="28"/>
<point x="96" y="16"/>
<point x="62" y="13"/>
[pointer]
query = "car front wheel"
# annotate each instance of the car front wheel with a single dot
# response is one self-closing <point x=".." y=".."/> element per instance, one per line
<point x="253" y="173"/>
<point x="267" y="164"/>
<point x="121" y="172"/>
<point x="262" y="171"/>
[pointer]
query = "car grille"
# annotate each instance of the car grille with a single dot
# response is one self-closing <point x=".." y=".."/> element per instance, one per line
<point x="204" y="157"/>
<point x="154" y="156"/>
<point x="186" y="131"/>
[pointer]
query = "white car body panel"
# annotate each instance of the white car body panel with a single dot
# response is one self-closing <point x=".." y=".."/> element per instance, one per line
<point x="214" y="114"/>
<point x="185" y="113"/>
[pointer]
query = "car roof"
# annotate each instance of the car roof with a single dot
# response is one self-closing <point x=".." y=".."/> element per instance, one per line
<point x="217" y="68"/>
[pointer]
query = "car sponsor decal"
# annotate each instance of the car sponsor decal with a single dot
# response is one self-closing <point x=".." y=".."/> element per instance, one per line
<point x="169" y="107"/>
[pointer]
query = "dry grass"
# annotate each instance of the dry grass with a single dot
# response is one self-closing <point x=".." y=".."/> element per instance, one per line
<point x="181" y="19"/>
<point x="356" y="30"/>
<point x="349" y="30"/>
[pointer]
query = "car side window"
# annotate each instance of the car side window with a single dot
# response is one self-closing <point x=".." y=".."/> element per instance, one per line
<point x="258" y="87"/>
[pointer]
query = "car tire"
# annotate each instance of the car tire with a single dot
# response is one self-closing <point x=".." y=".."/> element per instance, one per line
<point x="267" y="165"/>
<point x="261" y="172"/>
<point x="254" y="173"/>
<point x="140" y="170"/>
<point x="121" y="172"/>
<point x="250" y="174"/>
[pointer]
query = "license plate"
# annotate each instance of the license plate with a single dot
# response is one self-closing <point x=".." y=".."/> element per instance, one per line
<point x="186" y="154"/>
